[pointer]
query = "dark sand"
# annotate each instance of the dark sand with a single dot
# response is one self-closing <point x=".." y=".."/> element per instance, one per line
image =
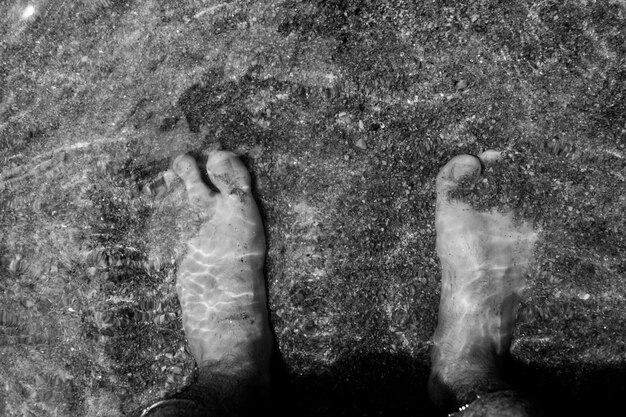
<point x="343" y="111"/>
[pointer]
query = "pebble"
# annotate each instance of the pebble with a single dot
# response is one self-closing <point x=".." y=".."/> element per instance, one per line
<point x="361" y="144"/>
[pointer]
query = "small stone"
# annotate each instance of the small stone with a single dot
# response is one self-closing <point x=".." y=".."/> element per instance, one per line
<point x="361" y="144"/>
<point x="474" y="17"/>
<point x="461" y="84"/>
<point x="44" y="306"/>
<point x="147" y="190"/>
<point x="61" y="156"/>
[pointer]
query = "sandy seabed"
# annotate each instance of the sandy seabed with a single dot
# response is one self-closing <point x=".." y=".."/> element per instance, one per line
<point x="343" y="112"/>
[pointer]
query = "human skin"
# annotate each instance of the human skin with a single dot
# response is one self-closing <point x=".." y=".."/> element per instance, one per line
<point x="220" y="285"/>
<point x="484" y="258"/>
<point x="221" y="289"/>
<point x="220" y="282"/>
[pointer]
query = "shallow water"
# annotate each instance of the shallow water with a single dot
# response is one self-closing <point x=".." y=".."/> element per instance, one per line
<point x="98" y="97"/>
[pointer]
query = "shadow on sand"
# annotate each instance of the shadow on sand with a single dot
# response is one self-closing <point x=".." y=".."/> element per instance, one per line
<point x="395" y="385"/>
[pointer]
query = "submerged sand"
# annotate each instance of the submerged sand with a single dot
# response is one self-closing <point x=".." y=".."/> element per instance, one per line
<point x="343" y="112"/>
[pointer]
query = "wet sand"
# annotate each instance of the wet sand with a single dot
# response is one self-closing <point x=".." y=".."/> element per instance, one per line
<point x="343" y="114"/>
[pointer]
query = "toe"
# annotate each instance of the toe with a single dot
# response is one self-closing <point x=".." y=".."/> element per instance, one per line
<point x="227" y="172"/>
<point x="200" y="196"/>
<point x="490" y="156"/>
<point x="185" y="167"/>
<point x="455" y="170"/>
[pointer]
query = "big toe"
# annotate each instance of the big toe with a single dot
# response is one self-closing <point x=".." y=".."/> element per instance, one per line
<point x="200" y="196"/>
<point x="458" y="168"/>
<point x="227" y="172"/>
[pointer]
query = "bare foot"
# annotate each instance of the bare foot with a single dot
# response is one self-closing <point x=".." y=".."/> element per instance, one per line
<point x="221" y="289"/>
<point x="220" y="282"/>
<point x="484" y="258"/>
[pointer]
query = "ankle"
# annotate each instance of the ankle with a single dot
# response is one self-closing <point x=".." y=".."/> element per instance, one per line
<point x="455" y="386"/>
<point x="235" y="388"/>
